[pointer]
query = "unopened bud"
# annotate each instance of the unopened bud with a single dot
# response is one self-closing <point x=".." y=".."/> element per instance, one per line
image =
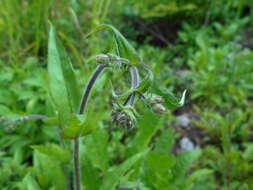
<point x="157" y="99"/>
<point x="159" y="108"/>
<point x="121" y="118"/>
<point x="102" y="58"/>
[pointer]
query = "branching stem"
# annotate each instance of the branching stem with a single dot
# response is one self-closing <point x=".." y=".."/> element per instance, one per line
<point x="130" y="100"/>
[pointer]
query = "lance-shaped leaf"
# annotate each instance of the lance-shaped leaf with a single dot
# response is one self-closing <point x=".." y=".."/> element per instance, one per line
<point x="123" y="47"/>
<point x="145" y="83"/>
<point x="112" y="177"/>
<point x="63" y="86"/>
<point x="142" y="87"/>
<point x="170" y="101"/>
<point x="123" y="95"/>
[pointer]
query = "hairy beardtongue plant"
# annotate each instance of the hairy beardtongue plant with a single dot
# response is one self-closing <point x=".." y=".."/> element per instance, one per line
<point x="69" y="104"/>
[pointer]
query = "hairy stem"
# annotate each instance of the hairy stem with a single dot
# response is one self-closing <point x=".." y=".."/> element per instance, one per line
<point x="12" y="124"/>
<point x="135" y="81"/>
<point x="76" y="158"/>
<point x="100" y="68"/>
<point x="77" y="169"/>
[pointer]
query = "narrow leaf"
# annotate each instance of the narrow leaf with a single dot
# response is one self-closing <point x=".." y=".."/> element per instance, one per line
<point x="184" y="162"/>
<point x="114" y="176"/>
<point x="165" y="142"/>
<point x="124" y="48"/>
<point x="96" y="148"/>
<point x="170" y="101"/>
<point x="90" y="177"/>
<point x="147" y="127"/>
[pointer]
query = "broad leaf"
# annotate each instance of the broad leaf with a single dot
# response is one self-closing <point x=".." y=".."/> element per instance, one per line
<point x="76" y="126"/>
<point x="63" y="86"/>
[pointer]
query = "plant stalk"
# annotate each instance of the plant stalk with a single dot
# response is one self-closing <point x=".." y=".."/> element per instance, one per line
<point x="77" y="169"/>
<point x="135" y="81"/>
<point x="76" y="157"/>
<point x="100" y="68"/>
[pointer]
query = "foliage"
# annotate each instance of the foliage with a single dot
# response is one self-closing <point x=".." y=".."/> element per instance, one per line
<point x="210" y="56"/>
<point x="197" y="9"/>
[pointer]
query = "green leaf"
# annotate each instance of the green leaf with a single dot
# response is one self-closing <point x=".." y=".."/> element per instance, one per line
<point x="184" y="162"/>
<point x="160" y="163"/>
<point x="248" y="153"/>
<point x="198" y="174"/>
<point x="147" y="127"/>
<point x="54" y="151"/>
<point x="90" y="174"/>
<point x="51" y="121"/>
<point x="96" y="148"/>
<point x="49" y="172"/>
<point x="74" y="126"/>
<point x="165" y="142"/>
<point x="4" y="110"/>
<point x="113" y="177"/>
<point x="63" y="86"/>
<point x="170" y="101"/>
<point x="141" y="88"/>
<point x="29" y="183"/>
<point x="77" y="126"/>
<point x="157" y="170"/>
<point x="145" y="83"/>
<point x="124" y="48"/>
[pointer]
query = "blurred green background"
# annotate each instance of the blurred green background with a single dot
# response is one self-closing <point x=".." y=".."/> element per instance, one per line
<point x="204" y="46"/>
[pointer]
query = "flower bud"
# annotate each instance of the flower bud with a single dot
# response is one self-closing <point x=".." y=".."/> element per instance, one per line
<point x="102" y="58"/>
<point x="159" y="108"/>
<point x="155" y="99"/>
<point x="123" y="118"/>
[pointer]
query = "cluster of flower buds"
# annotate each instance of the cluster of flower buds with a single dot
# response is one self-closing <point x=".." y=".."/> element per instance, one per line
<point x="156" y="103"/>
<point x="124" y="116"/>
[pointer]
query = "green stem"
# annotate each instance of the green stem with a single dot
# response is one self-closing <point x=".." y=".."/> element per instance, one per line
<point x="135" y="81"/>
<point x="77" y="169"/>
<point x="100" y="68"/>
<point x="76" y="158"/>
